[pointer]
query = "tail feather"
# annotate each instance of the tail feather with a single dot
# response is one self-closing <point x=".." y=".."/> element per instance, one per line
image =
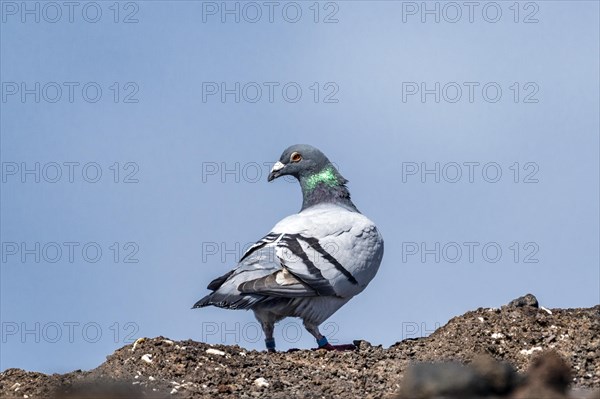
<point x="218" y="282"/>
<point x="229" y="301"/>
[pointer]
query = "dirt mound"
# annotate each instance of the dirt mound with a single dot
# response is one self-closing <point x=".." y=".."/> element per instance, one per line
<point x="559" y="347"/>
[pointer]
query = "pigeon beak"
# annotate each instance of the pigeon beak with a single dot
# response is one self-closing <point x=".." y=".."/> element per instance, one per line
<point x="275" y="171"/>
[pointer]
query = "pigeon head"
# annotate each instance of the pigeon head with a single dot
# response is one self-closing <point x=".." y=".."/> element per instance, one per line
<point x="319" y="179"/>
<point x="301" y="161"/>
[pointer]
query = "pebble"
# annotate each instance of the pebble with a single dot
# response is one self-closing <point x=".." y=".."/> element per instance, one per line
<point x="546" y="310"/>
<point x="528" y="352"/>
<point x="136" y="343"/>
<point x="215" y="352"/>
<point x="261" y="382"/>
<point x="147" y="358"/>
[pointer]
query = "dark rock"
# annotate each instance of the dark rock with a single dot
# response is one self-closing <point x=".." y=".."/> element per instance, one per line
<point x="432" y="380"/>
<point x="483" y="377"/>
<point x="551" y="370"/>
<point x="362" y="344"/>
<point x="526" y="300"/>
<point x="548" y="377"/>
<point x="499" y="377"/>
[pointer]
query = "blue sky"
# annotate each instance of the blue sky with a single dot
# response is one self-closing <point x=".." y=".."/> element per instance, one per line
<point x="152" y="180"/>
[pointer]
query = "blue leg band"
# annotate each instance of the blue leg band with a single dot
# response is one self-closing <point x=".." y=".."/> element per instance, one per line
<point x="322" y="342"/>
<point x="270" y="343"/>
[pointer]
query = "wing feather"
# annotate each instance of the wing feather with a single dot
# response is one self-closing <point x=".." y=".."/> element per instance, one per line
<point x="281" y="283"/>
<point x="318" y="252"/>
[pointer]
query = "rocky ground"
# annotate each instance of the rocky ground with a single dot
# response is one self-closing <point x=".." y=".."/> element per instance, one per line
<point x="517" y="351"/>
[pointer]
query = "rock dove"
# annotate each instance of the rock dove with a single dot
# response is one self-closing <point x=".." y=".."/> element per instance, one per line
<point x="311" y="263"/>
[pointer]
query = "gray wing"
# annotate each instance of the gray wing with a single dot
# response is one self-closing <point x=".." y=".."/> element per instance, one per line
<point x="324" y="256"/>
<point x="281" y="284"/>
<point x="258" y="277"/>
<point x="277" y="281"/>
<point x="339" y="263"/>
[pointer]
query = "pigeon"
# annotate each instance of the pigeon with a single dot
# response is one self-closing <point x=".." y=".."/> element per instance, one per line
<point x="311" y="263"/>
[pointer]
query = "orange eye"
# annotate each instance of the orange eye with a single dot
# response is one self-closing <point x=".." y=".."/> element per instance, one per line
<point x="296" y="157"/>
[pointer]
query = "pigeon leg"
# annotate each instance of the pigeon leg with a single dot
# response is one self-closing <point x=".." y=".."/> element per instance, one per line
<point x="267" y="322"/>
<point x="268" y="328"/>
<point x="322" y="340"/>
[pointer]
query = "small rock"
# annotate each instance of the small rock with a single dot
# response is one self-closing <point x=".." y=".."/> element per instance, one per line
<point x="213" y="351"/>
<point x="223" y="388"/>
<point x="362" y="344"/>
<point x="261" y="382"/>
<point x="526" y="300"/>
<point x="136" y="343"/>
<point x="528" y="352"/>
<point x="147" y="358"/>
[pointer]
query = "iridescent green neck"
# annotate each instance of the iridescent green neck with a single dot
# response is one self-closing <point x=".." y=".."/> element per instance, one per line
<point x="326" y="186"/>
<point x="327" y="176"/>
